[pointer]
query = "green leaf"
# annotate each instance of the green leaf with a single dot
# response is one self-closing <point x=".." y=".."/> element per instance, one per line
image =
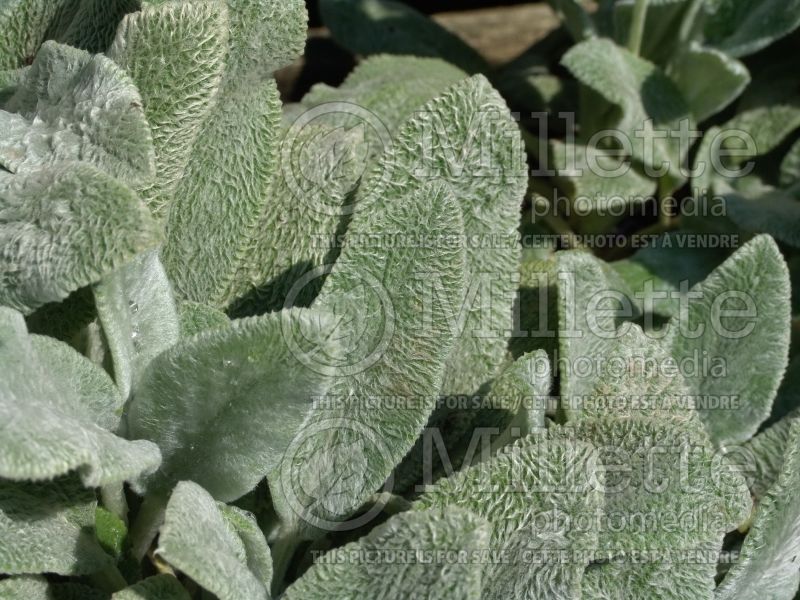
<point x="196" y="539"/>
<point x="640" y="98"/>
<point x="636" y="377"/>
<point x="592" y="302"/>
<point x="259" y="558"/>
<point x="537" y="480"/>
<point x="666" y="264"/>
<point x="299" y="231"/>
<point x="754" y="281"/>
<point x="431" y="533"/>
<point x="224" y="405"/>
<point x="92" y="23"/>
<point x="767" y="565"/>
<point x="790" y="167"/>
<point x="74" y="106"/>
<point x="235" y="157"/>
<point x="100" y="400"/>
<point x="742" y="27"/>
<point x="709" y="79"/>
<point x="111" y="532"/>
<point x="196" y="318"/>
<point x="138" y="316"/>
<point x="675" y="578"/>
<point x="191" y="40"/>
<point x="346" y="451"/>
<point x="37" y="588"/>
<point x="768" y="450"/>
<point x="64" y="228"/>
<point x="265" y="35"/>
<point x="388" y="27"/>
<point x="24" y="24"/>
<point x="49" y="432"/>
<point x="158" y="587"/>
<point x="656" y="469"/>
<point x="48" y="527"/>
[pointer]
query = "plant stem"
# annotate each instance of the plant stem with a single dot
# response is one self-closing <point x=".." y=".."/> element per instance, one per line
<point x="637" y="26"/>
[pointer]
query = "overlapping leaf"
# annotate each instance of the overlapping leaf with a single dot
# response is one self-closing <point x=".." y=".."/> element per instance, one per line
<point x="138" y="315"/>
<point x="74" y="106"/>
<point x="741" y="310"/>
<point x="224" y="405"/>
<point x="158" y="587"/>
<point x="742" y="28"/>
<point x="64" y="228"/>
<point x="196" y="539"/>
<point x="767" y="565"/>
<point x="48" y="528"/>
<point x="429" y="533"/>
<point x="531" y="494"/>
<point x="48" y="429"/>
<point x="385" y="26"/>
<point x="189" y="40"/>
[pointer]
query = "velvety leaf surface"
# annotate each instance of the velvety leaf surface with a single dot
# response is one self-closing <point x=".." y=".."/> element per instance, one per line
<point x="64" y="228"/>
<point x="530" y="493"/>
<point x="640" y="97"/>
<point x="772" y="211"/>
<point x="24" y="24"/>
<point x="430" y="532"/>
<point x="224" y="405"/>
<point x="158" y="587"/>
<point x="385" y="26"/>
<point x="758" y="271"/>
<point x="225" y="187"/>
<point x="196" y="540"/>
<point x="48" y="432"/>
<point x="100" y="400"/>
<point x="48" y="527"/>
<point x="138" y="316"/>
<point x="189" y="40"/>
<point x="744" y="27"/>
<point x="709" y="79"/>
<point x="767" y="565"/>
<point x="74" y="106"/>
<point x="196" y="318"/>
<point x="257" y="552"/>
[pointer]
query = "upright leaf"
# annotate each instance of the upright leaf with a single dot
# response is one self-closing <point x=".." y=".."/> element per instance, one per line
<point x="74" y="106"/>
<point x="63" y="228"/>
<point x="709" y="79"/>
<point x="138" y="315"/>
<point x="389" y="27"/>
<point x="189" y="40"/>
<point x="743" y="27"/>
<point x="643" y="104"/>
<point x="767" y="565"/>
<point x="224" y="405"/>
<point x="741" y="310"/>
<point x="48" y="432"/>
<point x="257" y="553"/>
<point x="196" y="540"/>
<point x="434" y="533"/>
<point x="48" y="528"/>
<point x="531" y="494"/>
<point x="225" y="186"/>
<point x="100" y="399"/>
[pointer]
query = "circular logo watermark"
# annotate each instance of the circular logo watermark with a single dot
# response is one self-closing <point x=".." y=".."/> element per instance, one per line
<point x="363" y="323"/>
<point x="325" y="471"/>
<point x="328" y="149"/>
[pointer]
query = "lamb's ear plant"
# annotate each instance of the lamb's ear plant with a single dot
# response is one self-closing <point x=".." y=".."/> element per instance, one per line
<point x="228" y="328"/>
